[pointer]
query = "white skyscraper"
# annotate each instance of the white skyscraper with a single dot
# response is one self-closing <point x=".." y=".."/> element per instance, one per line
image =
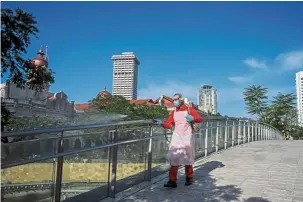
<point x="125" y="75"/>
<point x="207" y="99"/>
<point x="299" y="87"/>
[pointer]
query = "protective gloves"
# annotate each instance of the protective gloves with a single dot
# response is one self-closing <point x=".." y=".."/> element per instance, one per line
<point x="189" y="118"/>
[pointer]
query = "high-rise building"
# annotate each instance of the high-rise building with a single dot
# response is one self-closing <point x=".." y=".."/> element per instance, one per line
<point x="299" y="87"/>
<point x="207" y="99"/>
<point x="125" y="75"/>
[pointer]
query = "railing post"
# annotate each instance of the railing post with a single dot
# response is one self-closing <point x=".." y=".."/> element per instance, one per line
<point x="114" y="160"/>
<point x="262" y="132"/>
<point x="226" y="135"/>
<point x="233" y="134"/>
<point x="239" y="132"/>
<point x="149" y="155"/>
<point x="259" y="132"/>
<point x="217" y="137"/>
<point x="248" y="131"/>
<point x="205" y="139"/>
<point x="256" y="131"/>
<point x="244" y="132"/>
<point x="59" y="170"/>
<point x="253" y="131"/>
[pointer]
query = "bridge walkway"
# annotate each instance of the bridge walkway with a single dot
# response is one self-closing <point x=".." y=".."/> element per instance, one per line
<point x="267" y="171"/>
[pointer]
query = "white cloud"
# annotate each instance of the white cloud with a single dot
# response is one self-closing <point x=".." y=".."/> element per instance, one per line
<point x="291" y="60"/>
<point x="254" y="63"/>
<point x="240" y="79"/>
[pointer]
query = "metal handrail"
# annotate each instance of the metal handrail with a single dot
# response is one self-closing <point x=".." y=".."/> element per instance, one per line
<point x="71" y="128"/>
<point x="98" y="125"/>
<point x="46" y="130"/>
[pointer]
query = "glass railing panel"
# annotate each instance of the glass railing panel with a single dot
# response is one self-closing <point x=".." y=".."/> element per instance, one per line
<point x="211" y="140"/>
<point x="245" y="132"/>
<point x="229" y="137"/>
<point x="236" y="129"/>
<point x="29" y="183"/>
<point x="131" y="161"/>
<point x="221" y="135"/>
<point x="85" y="175"/>
<point x="200" y="142"/>
<point x="28" y="149"/>
<point x="160" y="147"/>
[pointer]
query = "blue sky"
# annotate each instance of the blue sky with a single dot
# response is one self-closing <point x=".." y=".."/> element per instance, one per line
<point x="181" y="46"/>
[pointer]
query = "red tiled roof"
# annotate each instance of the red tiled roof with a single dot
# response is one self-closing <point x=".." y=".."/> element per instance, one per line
<point x="149" y="102"/>
<point x="165" y="98"/>
<point x="81" y="107"/>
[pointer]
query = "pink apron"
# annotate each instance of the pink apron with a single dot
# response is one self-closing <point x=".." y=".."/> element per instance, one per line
<point x="182" y="147"/>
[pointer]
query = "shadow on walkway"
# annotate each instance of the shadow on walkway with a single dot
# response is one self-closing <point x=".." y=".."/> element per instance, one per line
<point x="205" y="188"/>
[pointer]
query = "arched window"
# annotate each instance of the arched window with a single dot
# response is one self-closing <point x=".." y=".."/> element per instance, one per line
<point x="65" y="145"/>
<point x="77" y="144"/>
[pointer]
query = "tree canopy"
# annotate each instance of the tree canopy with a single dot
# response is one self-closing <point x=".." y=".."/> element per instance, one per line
<point x="119" y="105"/>
<point x="280" y="112"/>
<point x="17" y="28"/>
<point x="255" y="98"/>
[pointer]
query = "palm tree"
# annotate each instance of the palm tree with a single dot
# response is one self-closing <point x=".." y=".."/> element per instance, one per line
<point x="255" y="100"/>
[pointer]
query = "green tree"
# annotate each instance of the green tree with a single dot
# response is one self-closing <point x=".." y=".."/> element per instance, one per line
<point x="112" y="104"/>
<point x="17" y="28"/>
<point x="281" y="113"/>
<point x="119" y="105"/>
<point x="255" y="100"/>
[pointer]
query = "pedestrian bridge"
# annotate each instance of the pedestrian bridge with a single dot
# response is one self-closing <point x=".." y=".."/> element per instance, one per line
<point x="236" y="160"/>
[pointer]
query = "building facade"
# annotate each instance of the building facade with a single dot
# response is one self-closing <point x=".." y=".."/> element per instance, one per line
<point x="299" y="88"/>
<point x="28" y="102"/>
<point x="125" y="75"/>
<point x="207" y="99"/>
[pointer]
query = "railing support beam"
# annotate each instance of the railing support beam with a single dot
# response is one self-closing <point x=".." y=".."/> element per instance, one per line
<point x="59" y="170"/>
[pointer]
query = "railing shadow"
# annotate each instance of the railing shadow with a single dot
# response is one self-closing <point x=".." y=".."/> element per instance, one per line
<point x="256" y="199"/>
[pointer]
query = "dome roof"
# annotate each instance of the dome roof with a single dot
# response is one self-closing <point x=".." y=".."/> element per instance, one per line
<point x="104" y="93"/>
<point x="39" y="60"/>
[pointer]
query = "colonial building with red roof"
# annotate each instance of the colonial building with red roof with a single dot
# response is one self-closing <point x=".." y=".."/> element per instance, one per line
<point x="84" y="107"/>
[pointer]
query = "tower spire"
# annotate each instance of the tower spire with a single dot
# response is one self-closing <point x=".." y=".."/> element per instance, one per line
<point x="46" y="53"/>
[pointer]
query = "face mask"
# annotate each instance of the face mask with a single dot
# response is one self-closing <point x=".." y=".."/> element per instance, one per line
<point x="176" y="103"/>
